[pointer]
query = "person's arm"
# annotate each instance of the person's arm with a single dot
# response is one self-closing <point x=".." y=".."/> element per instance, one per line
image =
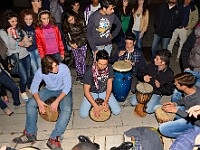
<point x="90" y="30"/>
<point x="39" y="42"/>
<point x="117" y="22"/>
<point x="146" y="22"/>
<point x="8" y="40"/>
<point x="193" y="19"/>
<point x="186" y="49"/>
<point x="194" y="111"/>
<point x="60" y="43"/>
<point x="108" y="90"/>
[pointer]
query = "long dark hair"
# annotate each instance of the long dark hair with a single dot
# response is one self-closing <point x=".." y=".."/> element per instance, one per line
<point x="7" y="15"/>
<point x="145" y="7"/>
<point x="44" y="11"/>
<point x="120" y="7"/>
<point x="66" y="16"/>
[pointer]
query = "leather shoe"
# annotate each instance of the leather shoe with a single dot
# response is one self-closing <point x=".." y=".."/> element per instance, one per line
<point x="123" y="146"/>
<point x="83" y="138"/>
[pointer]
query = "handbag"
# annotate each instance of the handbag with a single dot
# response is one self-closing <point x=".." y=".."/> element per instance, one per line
<point x="13" y="63"/>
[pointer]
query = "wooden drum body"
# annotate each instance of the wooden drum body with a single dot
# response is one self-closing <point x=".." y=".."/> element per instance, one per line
<point x="104" y="115"/>
<point x="49" y="115"/>
<point x="122" y="80"/>
<point x="163" y="116"/>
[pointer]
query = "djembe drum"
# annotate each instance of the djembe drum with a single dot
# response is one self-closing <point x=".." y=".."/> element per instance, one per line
<point x="104" y="115"/>
<point x="49" y="115"/>
<point x="163" y="116"/>
<point x="29" y="148"/>
<point x="143" y="95"/>
<point x="122" y="80"/>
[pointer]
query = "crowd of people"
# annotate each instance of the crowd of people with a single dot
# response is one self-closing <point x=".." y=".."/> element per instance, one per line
<point x="35" y="42"/>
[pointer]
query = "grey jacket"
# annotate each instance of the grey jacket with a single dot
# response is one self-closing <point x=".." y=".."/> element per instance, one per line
<point x="55" y="10"/>
<point x="11" y="43"/>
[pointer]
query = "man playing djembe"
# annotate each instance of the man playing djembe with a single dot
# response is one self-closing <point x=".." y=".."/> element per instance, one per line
<point x="58" y="84"/>
<point x="160" y="76"/>
<point x="98" y="84"/>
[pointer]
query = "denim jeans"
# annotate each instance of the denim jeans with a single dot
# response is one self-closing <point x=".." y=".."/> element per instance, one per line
<point x="154" y="101"/>
<point x="24" y="73"/>
<point x="156" y="40"/>
<point x="177" y="95"/>
<point x="35" y="61"/>
<point x="86" y="105"/>
<point x="137" y="39"/>
<point x="57" y="56"/>
<point x="175" y="128"/>
<point x="9" y="84"/>
<point x="107" y="47"/>
<point x="64" y="115"/>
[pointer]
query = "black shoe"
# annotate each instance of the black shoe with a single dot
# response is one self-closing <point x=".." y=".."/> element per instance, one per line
<point x="123" y="146"/>
<point x="83" y="139"/>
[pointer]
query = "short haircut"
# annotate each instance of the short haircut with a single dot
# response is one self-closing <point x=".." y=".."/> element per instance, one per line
<point x="85" y="146"/>
<point x="47" y="62"/>
<point x="165" y="55"/>
<point x="130" y="36"/>
<point x="102" y="54"/>
<point x="75" y="1"/>
<point x="185" y="78"/>
<point x="107" y="3"/>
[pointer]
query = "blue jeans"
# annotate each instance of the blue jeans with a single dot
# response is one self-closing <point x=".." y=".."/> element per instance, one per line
<point x="156" y="40"/>
<point x="137" y="39"/>
<point x="64" y="115"/>
<point x="86" y="105"/>
<point x="154" y="101"/>
<point x="35" y="61"/>
<point x="107" y="47"/>
<point x="57" y="56"/>
<point x="177" y="95"/>
<point x="9" y="84"/>
<point x="175" y="128"/>
<point x="24" y="73"/>
<point x="186" y="140"/>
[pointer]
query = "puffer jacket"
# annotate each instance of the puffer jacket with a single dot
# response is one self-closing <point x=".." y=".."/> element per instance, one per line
<point x="76" y="33"/>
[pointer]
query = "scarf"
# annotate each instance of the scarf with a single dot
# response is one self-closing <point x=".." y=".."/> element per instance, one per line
<point x="98" y="73"/>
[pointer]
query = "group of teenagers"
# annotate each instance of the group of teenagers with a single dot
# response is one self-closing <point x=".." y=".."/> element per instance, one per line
<point x="35" y="41"/>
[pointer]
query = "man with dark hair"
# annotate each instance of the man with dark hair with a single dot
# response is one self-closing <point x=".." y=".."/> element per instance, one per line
<point x="184" y="82"/>
<point x="160" y="76"/>
<point x="99" y="27"/>
<point x="168" y="17"/>
<point x="58" y="84"/>
<point x="98" y="84"/>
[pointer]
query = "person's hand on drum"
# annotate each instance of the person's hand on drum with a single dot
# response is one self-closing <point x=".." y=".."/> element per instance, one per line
<point x="97" y="110"/>
<point x="157" y="83"/>
<point x="147" y="78"/>
<point x="41" y="105"/>
<point x="105" y="106"/>
<point x="194" y="111"/>
<point x="54" y="106"/>
<point x="169" y="107"/>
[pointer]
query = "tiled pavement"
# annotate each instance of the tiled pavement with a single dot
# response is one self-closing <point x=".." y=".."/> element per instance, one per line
<point x="107" y="134"/>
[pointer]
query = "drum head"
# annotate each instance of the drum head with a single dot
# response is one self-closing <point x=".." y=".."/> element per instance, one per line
<point x="163" y="116"/>
<point x="143" y="87"/>
<point x="122" y="66"/>
<point x="49" y="115"/>
<point x="104" y="115"/>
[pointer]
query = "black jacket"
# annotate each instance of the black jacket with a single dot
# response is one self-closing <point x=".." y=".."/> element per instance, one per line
<point x="186" y="49"/>
<point x="165" y="77"/>
<point x="167" y="20"/>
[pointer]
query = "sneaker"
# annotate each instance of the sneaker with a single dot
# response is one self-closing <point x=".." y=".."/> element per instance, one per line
<point x="20" y="106"/>
<point x="79" y="80"/>
<point x="25" y="139"/>
<point x="54" y="144"/>
<point x="24" y="96"/>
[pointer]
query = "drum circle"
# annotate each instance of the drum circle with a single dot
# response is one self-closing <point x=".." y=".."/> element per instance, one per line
<point x="163" y="116"/>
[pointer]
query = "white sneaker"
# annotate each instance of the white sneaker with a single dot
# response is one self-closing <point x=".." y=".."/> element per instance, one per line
<point x="24" y="96"/>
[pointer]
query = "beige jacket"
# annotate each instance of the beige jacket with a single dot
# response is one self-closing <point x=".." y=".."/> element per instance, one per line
<point x="144" y="21"/>
<point x="193" y="18"/>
